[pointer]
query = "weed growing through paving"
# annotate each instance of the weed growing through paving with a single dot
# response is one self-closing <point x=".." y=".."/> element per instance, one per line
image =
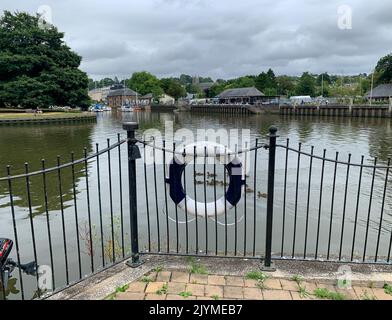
<point x="215" y="297"/>
<point x="146" y="279"/>
<point x="185" y="294"/>
<point x="158" y="269"/>
<point x="324" y="293"/>
<point x="162" y="290"/>
<point x="298" y="279"/>
<point x="387" y="289"/>
<point x="366" y="296"/>
<point x="303" y="293"/>
<point x="259" y="276"/>
<point x="195" y="267"/>
<point x="122" y="289"/>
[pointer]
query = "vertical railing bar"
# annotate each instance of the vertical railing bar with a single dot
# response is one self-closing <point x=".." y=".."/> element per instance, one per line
<point x="48" y="222"/>
<point x="147" y="203"/>
<point x="63" y="220"/>
<point x="100" y="206"/>
<point x="357" y="208"/>
<point x="176" y="212"/>
<point x="382" y="209"/>
<point x="369" y="211"/>
<point x="76" y="214"/>
<point x="15" y="232"/>
<point x="216" y="209"/>
<point x="165" y="192"/>
<point x="195" y="192"/>
<point x="284" y="197"/>
<point x="245" y="216"/>
<point x="224" y="188"/>
<point x="186" y="210"/>
<point x="332" y="204"/>
<point x="344" y="207"/>
<point x="121" y="197"/>
<point x="111" y="202"/>
<point x="156" y="196"/>
<point x="296" y="199"/>
<point x="320" y="205"/>
<point x="32" y="223"/>
<point x="91" y="253"/>
<point x="254" y="197"/>
<point x="205" y="198"/>
<point x="308" y="200"/>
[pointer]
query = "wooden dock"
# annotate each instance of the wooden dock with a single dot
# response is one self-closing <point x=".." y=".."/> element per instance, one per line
<point x="365" y="111"/>
<point x="234" y="109"/>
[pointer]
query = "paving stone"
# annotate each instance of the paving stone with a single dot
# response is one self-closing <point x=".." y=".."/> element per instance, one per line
<point x="329" y="287"/>
<point x="136" y="287"/>
<point x="364" y="293"/>
<point x="153" y="287"/>
<point x="233" y="292"/>
<point x="348" y="293"/>
<point x="381" y="295"/>
<point x="216" y="280"/>
<point x="153" y="296"/>
<point x="199" y="279"/>
<point x="249" y="283"/>
<point x="310" y="286"/>
<point x="289" y="285"/>
<point x="213" y="291"/>
<point x="175" y="287"/>
<point x="180" y="277"/>
<point x="272" y="284"/>
<point x="276" y="295"/>
<point x="195" y="289"/>
<point x="204" y="298"/>
<point x="163" y="276"/>
<point x="130" y="296"/>
<point x="234" y="281"/>
<point x="177" y="297"/>
<point x="253" y="294"/>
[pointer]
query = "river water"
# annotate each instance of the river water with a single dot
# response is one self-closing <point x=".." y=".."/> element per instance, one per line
<point x="356" y="136"/>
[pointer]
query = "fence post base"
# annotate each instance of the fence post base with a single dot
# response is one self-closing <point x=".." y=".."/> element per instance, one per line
<point x="134" y="262"/>
<point x="270" y="268"/>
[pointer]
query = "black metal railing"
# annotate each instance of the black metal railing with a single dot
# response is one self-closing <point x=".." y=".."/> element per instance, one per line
<point x="75" y="217"/>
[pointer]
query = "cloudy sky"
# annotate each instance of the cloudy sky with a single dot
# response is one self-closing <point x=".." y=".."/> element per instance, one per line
<point x="221" y="38"/>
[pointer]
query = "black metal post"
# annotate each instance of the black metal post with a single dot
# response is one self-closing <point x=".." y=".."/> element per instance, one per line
<point x="133" y="154"/>
<point x="268" y="264"/>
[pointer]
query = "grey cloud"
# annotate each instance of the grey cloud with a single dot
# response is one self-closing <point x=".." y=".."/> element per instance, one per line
<point x="221" y="38"/>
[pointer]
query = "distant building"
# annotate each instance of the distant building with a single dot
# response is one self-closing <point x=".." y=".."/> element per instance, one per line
<point x="381" y="93"/>
<point x="249" y="95"/>
<point x="166" y="99"/>
<point x="206" y="87"/>
<point x="99" y="94"/>
<point x="300" y="99"/>
<point x="119" y="97"/>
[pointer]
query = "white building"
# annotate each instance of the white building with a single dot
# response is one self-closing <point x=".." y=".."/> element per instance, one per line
<point x="166" y="99"/>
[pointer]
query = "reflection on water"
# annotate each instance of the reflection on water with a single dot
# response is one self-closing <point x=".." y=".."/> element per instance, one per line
<point x="368" y="137"/>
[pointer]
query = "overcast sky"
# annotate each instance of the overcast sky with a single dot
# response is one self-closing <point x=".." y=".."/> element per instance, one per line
<point x="220" y="38"/>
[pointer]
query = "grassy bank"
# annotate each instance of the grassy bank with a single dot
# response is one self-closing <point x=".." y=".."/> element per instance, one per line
<point x="50" y="115"/>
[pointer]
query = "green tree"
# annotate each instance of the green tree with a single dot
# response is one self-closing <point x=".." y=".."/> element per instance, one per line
<point x="173" y="88"/>
<point x="384" y="70"/>
<point x="306" y="85"/>
<point x="37" y="69"/>
<point x="286" y="85"/>
<point x="144" y="82"/>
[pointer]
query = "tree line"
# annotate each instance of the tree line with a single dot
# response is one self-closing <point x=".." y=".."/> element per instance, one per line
<point x="314" y="85"/>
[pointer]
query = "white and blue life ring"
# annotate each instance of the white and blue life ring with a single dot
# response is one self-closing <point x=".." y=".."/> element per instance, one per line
<point x="233" y="193"/>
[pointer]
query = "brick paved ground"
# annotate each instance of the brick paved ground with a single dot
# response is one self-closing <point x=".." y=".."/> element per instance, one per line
<point x="179" y="285"/>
